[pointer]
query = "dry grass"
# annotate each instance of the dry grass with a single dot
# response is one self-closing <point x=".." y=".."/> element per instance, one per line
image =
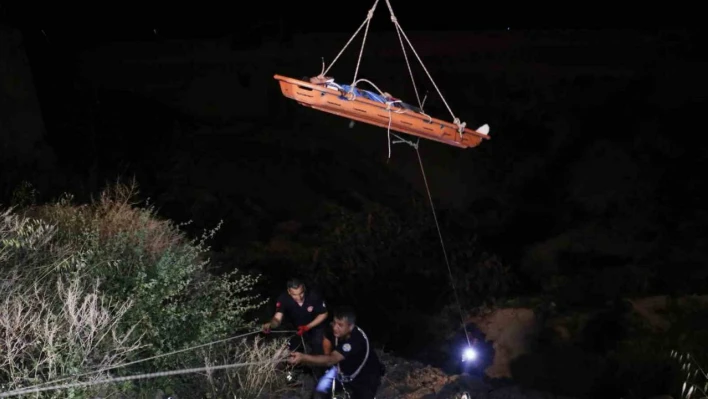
<point x="119" y="214"/>
<point x="60" y="262"/>
<point x="56" y="327"/>
<point x="115" y="213"/>
<point x="250" y="381"/>
<point x="695" y="385"/>
<point x="47" y="334"/>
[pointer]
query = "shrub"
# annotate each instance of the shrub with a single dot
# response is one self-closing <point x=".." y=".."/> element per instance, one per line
<point x="159" y="279"/>
<point x="49" y="330"/>
<point x="151" y="261"/>
<point x="247" y="382"/>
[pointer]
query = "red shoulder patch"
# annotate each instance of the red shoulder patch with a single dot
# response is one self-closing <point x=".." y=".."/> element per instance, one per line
<point x="277" y="304"/>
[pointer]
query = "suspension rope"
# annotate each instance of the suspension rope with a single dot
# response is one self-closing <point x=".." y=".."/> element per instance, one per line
<point x="363" y="42"/>
<point x="442" y="243"/>
<point x="437" y="225"/>
<point x="460" y="125"/>
<point x="401" y="35"/>
<point x="399" y="30"/>
<point x="369" y="15"/>
<point x="410" y="71"/>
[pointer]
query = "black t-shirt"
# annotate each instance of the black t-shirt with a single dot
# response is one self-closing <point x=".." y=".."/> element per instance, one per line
<point x="312" y="306"/>
<point x="357" y="350"/>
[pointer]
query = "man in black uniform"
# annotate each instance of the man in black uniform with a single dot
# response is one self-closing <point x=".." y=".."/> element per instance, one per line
<point x="306" y="310"/>
<point x="359" y="368"/>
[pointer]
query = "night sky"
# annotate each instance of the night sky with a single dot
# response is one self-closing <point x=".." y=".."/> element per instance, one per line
<point x="590" y="188"/>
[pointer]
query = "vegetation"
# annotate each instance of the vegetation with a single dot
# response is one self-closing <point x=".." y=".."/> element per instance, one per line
<point x="118" y="285"/>
<point x="695" y="384"/>
<point x="616" y="352"/>
<point x="89" y="287"/>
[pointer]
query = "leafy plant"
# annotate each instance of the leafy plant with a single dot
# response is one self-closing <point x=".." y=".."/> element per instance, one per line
<point x="53" y="329"/>
<point x="84" y="282"/>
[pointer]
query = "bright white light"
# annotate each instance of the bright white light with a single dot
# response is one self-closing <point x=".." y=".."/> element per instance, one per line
<point x="469" y="354"/>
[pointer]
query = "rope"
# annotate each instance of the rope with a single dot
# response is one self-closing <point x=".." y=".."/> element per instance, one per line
<point x="401" y="34"/>
<point x="442" y="243"/>
<point x="134" y="377"/>
<point x="363" y="42"/>
<point x="304" y="350"/>
<point x="371" y="83"/>
<point x="366" y="22"/>
<point x="149" y="358"/>
<point x="408" y="64"/>
<point x="388" y="131"/>
<point x="437" y="225"/>
<point x="388" y="109"/>
<point x="352" y="376"/>
<point x="399" y="30"/>
<point x="388" y="103"/>
<point x="456" y="121"/>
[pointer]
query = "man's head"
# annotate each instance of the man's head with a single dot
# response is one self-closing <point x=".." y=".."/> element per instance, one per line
<point x="344" y="321"/>
<point x="296" y="289"/>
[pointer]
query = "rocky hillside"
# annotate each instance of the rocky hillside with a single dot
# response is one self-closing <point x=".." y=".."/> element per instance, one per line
<point x="407" y="379"/>
<point x="520" y="337"/>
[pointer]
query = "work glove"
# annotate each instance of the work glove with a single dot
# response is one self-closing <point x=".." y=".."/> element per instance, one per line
<point x="302" y="330"/>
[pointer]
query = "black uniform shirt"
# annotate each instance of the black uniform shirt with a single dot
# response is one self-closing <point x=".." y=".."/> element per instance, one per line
<point x="312" y="306"/>
<point x="355" y="350"/>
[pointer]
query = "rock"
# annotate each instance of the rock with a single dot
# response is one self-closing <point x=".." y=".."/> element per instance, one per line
<point x="509" y="329"/>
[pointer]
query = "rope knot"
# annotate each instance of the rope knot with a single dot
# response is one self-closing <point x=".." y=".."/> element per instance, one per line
<point x="460" y="125"/>
<point x="370" y="14"/>
<point x="394" y="19"/>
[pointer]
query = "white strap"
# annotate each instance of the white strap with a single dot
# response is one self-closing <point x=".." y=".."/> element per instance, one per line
<point x="356" y="372"/>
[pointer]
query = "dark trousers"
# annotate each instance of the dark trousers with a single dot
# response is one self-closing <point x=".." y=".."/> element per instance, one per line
<point x="363" y="387"/>
<point x="312" y="340"/>
<point x="313" y="346"/>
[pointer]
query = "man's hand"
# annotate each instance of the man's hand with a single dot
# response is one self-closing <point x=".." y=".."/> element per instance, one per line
<point x="302" y="330"/>
<point x="295" y="358"/>
<point x="266" y="328"/>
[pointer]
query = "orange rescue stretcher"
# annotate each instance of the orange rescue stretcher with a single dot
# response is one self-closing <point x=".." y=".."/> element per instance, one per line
<point x="381" y="110"/>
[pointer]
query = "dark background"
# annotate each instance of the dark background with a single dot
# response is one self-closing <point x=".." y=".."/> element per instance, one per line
<point x="590" y="189"/>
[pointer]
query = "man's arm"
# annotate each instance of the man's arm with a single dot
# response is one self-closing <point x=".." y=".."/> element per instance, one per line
<point x="327" y="346"/>
<point x="321" y="360"/>
<point x="278" y="316"/>
<point x="321" y="310"/>
<point x="276" y="320"/>
<point x="317" y="321"/>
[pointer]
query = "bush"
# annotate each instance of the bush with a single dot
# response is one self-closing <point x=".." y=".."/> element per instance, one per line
<point x="393" y="254"/>
<point x="49" y="330"/>
<point x="247" y="382"/>
<point x="157" y="281"/>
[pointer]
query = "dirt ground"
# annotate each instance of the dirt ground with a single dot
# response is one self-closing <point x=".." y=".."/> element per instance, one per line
<point x="509" y="330"/>
<point x="406" y="379"/>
